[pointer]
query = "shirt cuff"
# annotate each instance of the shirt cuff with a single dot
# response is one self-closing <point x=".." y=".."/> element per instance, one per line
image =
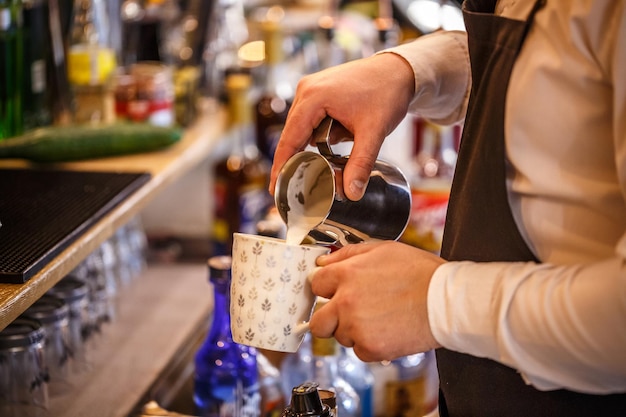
<point x="440" y="63"/>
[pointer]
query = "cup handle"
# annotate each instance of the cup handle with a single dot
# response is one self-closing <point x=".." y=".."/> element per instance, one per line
<point x="302" y="328"/>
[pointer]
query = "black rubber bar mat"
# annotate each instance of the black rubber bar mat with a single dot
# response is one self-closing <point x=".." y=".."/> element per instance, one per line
<point x="43" y="211"/>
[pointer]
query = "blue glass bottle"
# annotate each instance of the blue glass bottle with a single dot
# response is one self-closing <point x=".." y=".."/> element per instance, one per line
<point x="226" y="376"/>
<point x="358" y="374"/>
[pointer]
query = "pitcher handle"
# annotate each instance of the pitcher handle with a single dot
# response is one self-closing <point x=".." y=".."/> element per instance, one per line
<point x="329" y="130"/>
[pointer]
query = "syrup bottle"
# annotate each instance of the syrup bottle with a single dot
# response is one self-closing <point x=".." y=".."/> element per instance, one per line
<point x="242" y="177"/>
<point x="434" y="164"/>
<point x="272" y="107"/>
<point x="226" y="377"/>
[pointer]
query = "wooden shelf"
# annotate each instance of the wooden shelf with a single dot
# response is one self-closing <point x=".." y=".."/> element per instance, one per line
<point x="165" y="166"/>
<point x="158" y="316"/>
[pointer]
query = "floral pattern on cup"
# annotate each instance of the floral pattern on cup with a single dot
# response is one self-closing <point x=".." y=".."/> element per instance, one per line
<point x="270" y="295"/>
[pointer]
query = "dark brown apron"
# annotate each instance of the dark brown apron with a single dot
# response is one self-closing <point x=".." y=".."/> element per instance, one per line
<point x="480" y="227"/>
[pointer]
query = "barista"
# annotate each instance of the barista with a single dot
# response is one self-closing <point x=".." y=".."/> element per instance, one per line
<point x="527" y="303"/>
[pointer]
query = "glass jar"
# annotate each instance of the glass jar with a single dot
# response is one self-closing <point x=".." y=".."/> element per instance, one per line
<point x="53" y="314"/>
<point x="23" y="386"/>
<point x="75" y="294"/>
<point x="145" y="94"/>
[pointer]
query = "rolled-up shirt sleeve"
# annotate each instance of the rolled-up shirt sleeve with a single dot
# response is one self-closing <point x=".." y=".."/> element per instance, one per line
<point x="440" y="63"/>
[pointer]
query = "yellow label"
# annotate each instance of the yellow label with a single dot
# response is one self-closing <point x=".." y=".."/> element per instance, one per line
<point x="323" y="346"/>
<point x="90" y="64"/>
<point x="405" y="398"/>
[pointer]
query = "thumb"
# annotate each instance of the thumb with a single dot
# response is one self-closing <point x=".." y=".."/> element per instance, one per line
<point x="357" y="172"/>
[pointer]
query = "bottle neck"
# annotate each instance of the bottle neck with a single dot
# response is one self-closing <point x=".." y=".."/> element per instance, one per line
<point x="220" y="327"/>
<point x="90" y="23"/>
<point x="240" y="111"/>
<point x="276" y="81"/>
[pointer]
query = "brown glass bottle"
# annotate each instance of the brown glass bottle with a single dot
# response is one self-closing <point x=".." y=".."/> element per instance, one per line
<point x="434" y="163"/>
<point x="273" y="105"/>
<point x="241" y="179"/>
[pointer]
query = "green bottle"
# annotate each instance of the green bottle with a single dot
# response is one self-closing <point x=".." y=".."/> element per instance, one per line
<point x="11" y="70"/>
<point x="36" y="94"/>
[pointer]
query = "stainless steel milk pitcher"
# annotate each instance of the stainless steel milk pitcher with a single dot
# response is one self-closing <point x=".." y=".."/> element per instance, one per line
<point x="309" y="195"/>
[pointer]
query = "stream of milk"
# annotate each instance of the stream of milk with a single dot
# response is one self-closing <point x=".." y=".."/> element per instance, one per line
<point x="310" y="195"/>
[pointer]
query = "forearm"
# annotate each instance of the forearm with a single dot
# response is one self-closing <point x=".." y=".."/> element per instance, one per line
<point x="560" y="326"/>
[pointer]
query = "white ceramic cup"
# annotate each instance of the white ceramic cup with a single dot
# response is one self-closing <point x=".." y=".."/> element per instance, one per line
<point x="271" y="298"/>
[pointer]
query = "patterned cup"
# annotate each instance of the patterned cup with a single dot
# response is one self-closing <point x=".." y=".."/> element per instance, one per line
<point x="271" y="298"/>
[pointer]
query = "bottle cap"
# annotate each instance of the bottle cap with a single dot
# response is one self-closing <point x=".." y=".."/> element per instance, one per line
<point x="306" y="402"/>
<point x="219" y="268"/>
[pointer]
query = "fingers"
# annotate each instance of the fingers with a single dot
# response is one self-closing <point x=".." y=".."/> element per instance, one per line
<point x="325" y="324"/>
<point x="295" y="135"/>
<point x="360" y="164"/>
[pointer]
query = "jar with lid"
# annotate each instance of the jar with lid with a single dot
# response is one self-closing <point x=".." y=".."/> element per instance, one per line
<point x="145" y="94"/>
<point x="23" y="386"/>
<point x="75" y="294"/>
<point x="53" y="314"/>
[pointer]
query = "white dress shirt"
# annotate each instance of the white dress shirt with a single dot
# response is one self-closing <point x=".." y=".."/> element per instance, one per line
<point x="560" y="323"/>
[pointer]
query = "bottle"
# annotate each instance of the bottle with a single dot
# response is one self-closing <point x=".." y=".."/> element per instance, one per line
<point x="240" y="183"/>
<point x="273" y="105"/>
<point x="91" y="62"/>
<point x="227" y="32"/>
<point x="434" y="164"/>
<point x="359" y="375"/>
<point x="11" y="69"/>
<point x="59" y="93"/>
<point x="36" y="59"/>
<point x="272" y="398"/>
<point x="387" y="28"/>
<point x="384" y="373"/>
<point x="179" y="49"/>
<point x="141" y="24"/>
<point x="414" y="392"/>
<point x="226" y="376"/>
<point x="329" y="51"/>
<point x="326" y="373"/>
<point x="297" y="368"/>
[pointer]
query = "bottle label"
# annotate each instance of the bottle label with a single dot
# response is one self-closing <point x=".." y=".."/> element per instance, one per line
<point x="5" y="19"/>
<point x="229" y="402"/>
<point x="405" y="398"/>
<point x="253" y="203"/>
<point x="90" y="64"/>
<point x="38" y="76"/>
<point x="250" y="402"/>
<point x="428" y="218"/>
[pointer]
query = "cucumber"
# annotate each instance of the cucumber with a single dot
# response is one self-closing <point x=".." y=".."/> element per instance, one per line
<point x="79" y="142"/>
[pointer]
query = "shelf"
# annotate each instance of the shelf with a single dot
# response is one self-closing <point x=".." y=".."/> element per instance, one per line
<point x="165" y="167"/>
<point x="159" y="316"/>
